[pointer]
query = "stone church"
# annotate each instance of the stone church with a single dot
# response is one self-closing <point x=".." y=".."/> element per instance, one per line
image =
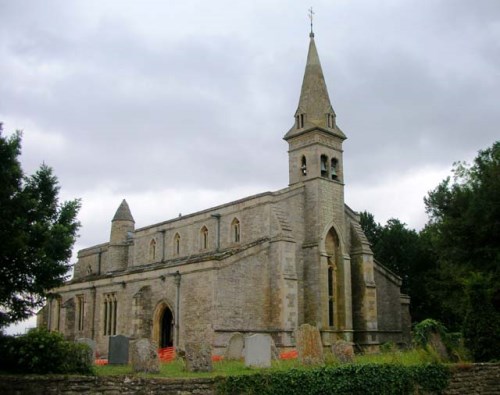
<point x="263" y="264"/>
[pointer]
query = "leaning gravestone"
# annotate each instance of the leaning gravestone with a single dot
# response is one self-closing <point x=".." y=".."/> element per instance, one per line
<point x="118" y="350"/>
<point x="343" y="351"/>
<point x="258" y="351"/>
<point x="198" y="357"/>
<point x="235" y="346"/>
<point x="144" y="356"/>
<point x="89" y="342"/>
<point x="309" y="345"/>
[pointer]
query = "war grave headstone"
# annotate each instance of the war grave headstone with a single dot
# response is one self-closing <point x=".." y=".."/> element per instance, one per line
<point x="118" y="350"/>
<point x="343" y="351"/>
<point x="258" y="351"/>
<point x="91" y="343"/>
<point x="144" y="356"/>
<point x="235" y="347"/>
<point x="309" y="345"/>
<point x="198" y="357"/>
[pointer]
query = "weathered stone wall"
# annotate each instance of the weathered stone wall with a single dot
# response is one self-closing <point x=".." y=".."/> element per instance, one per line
<point x="72" y="385"/>
<point x="481" y="379"/>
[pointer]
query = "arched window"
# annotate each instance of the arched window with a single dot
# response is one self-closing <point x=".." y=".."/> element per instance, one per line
<point x="235" y="230"/>
<point x="152" y="249"/>
<point x="303" y="166"/>
<point x="177" y="244"/>
<point x="334" y="169"/>
<point x="204" y="238"/>
<point x="324" y="166"/>
<point x="330" y="120"/>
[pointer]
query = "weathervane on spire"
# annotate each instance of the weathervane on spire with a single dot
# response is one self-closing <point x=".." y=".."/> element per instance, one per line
<point x="311" y="13"/>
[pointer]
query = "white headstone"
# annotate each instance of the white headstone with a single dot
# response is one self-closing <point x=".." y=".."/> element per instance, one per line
<point x="258" y="351"/>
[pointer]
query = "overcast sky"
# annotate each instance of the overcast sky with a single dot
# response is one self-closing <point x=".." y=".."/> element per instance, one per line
<point x="177" y="106"/>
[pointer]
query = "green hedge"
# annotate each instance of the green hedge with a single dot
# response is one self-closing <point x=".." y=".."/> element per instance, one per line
<point x="384" y="379"/>
<point x="40" y="352"/>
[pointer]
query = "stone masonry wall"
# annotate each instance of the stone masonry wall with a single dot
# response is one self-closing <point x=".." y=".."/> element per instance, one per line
<point x="483" y="379"/>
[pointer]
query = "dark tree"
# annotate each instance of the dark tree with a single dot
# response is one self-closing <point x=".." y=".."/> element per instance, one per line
<point x="464" y="228"/>
<point x="36" y="234"/>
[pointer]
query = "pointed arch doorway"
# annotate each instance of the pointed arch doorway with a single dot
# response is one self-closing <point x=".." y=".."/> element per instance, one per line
<point x="167" y="329"/>
<point x="163" y="326"/>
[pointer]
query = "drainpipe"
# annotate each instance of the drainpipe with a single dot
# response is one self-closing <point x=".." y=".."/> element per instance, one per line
<point x="217" y="217"/>
<point x="177" y="280"/>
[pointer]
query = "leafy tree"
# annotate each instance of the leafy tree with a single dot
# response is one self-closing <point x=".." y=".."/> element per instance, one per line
<point x="464" y="229"/>
<point x="36" y="234"/>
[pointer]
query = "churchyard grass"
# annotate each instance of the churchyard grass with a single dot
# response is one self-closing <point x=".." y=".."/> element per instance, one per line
<point x="175" y="369"/>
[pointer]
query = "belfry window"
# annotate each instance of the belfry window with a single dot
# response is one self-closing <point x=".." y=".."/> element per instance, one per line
<point x="324" y="166"/>
<point x="330" y="120"/>
<point x="299" y="121"/>
<point x="152" y="250"/>
<point x="110" y="307"/>
<point x="334" y="169"/>
<point x="303" y="166"/>
<point x="235" y="228"/>
<point x="204" y="238"/>
<point x="177" y="244"/>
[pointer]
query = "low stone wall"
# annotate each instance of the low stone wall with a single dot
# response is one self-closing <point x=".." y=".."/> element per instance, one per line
<point x="76" y="385"/>
<point x="481" y="379"/>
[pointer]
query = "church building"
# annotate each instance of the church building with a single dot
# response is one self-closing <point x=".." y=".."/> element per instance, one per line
<point x="267" y="263"/>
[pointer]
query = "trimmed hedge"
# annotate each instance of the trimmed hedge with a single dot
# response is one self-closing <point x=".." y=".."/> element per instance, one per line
<point x="384" y="379"/>
<point x="40" y="352"/>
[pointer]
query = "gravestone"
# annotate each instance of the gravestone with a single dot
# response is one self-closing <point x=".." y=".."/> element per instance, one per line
<point x="91" y="343"/>
<point x="436" y="343"/>
<point x="144" y="356"/>
<point x="198" y="357"/>
<point x="309" y="345"/>
<point x="235" y="346"/>
<point x="343" y="351"/>
<point x="258" y="351"/>
<point x="118" y="350"/>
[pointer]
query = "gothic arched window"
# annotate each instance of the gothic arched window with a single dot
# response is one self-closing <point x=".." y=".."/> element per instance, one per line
<point x="235" y="230"/>
<point x="177" y="244"/>
<point x="204" y="238"/>
<point x="334" y="169"/>
<point x="152" y="249"/>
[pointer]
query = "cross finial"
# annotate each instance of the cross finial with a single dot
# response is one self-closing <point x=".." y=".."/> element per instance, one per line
<point x="311" y="14"/>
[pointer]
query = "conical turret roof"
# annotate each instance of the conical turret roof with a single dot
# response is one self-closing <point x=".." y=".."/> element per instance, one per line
<point x="314" y="103"/>
<point x="123" y="213"/>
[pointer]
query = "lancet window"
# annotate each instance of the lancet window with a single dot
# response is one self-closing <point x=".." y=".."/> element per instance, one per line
<point x="110" y="308"/>
<point x="235" y="229"/>
<point x="177" y="244"/>
<point x="204" y="238"/>
<point x="303" y="166"/>
<point x="80" y="311"/>
<point x="152" y="250"/>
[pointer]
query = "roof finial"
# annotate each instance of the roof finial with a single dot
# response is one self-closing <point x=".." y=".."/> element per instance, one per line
<point x="311" y="13"/>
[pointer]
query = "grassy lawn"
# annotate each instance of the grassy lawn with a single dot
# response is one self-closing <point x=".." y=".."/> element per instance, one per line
<point x="176" y="369"/>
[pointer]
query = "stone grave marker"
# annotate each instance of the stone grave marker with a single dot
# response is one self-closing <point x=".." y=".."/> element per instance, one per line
<point x="309" y="345"/>
<point x="118" y="350"/>
<point x="258" y="351"/>
<point x="91" y="343"/>
<point x="437" y="344"/>
<point x="235" y="347"/>
<point x="343" y="351"/>
<point x="198" y="357"/>
<point x="144" y="356"/>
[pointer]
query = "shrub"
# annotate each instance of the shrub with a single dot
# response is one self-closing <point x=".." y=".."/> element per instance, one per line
<point x="40" y="351"/>
<point x="345" y="379"/>
<point x="481" y="328"/>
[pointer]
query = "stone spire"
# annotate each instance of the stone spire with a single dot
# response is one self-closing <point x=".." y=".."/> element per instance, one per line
<point x="314" y="109"/>
<point x="123" y="213"/>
